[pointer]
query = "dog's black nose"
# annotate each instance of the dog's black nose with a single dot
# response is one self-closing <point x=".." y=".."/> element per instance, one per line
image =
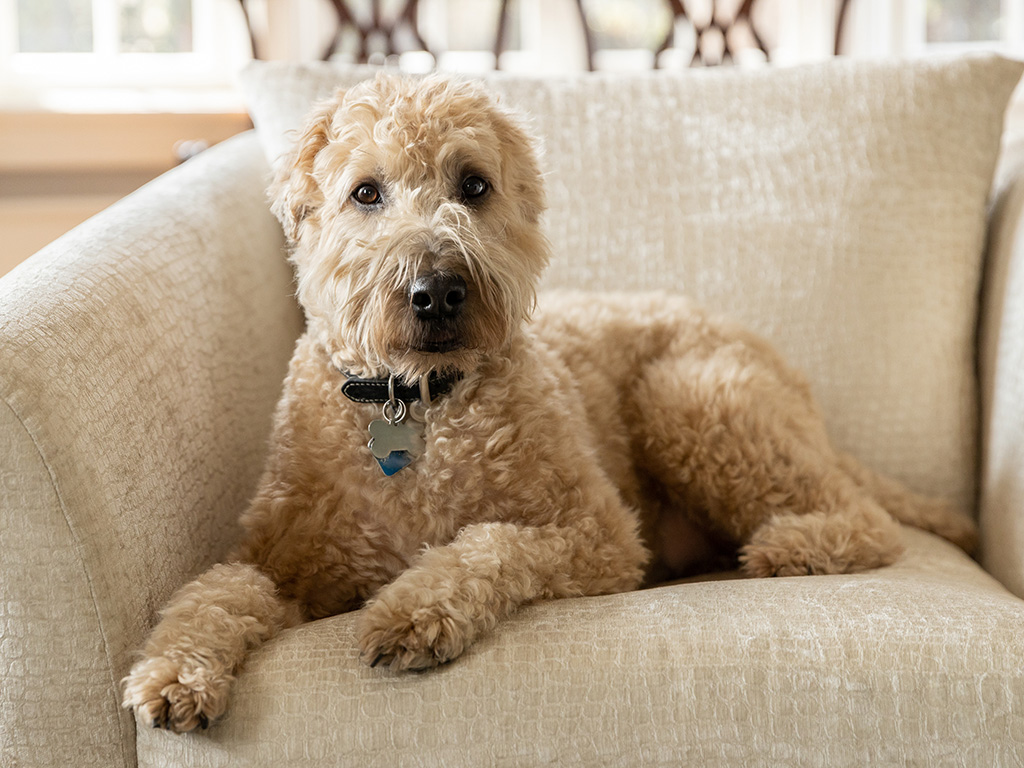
<point x="437" y="296"/>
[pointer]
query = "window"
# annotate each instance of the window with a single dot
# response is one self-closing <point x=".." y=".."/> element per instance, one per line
<point x="914" y="27"/>
<point x="628" y="24"/>
<point x="104" y="26"/>
<point x="118" y="43"/>
<point x="952" y="24"/>
<point x="962" y="21"/>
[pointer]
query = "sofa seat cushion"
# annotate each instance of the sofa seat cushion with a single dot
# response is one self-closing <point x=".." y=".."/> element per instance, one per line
<point x="914" y="664"/>
<point x="838" y="208"/>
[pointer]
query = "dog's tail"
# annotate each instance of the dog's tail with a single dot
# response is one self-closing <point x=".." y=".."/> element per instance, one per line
<point x="914" y="509"/>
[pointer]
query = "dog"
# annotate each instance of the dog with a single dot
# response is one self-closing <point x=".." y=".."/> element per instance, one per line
<point x="439" y="460"/>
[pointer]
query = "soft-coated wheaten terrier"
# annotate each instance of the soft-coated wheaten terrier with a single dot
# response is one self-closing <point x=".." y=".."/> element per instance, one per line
<point x="443" y="462"/>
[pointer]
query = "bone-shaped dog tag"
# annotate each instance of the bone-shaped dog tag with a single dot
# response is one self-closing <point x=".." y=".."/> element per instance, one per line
<point x="394" y="445"/>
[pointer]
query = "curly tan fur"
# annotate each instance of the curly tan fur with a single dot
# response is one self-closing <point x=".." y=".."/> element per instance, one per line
<point x="614" y="437"/>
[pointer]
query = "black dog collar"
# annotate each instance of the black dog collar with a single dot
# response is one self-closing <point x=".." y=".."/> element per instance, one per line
<point x="376" y="390"/>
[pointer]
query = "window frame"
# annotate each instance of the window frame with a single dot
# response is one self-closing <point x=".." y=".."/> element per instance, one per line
<point x="213" y="62"/>
<point x="899" y="28"/>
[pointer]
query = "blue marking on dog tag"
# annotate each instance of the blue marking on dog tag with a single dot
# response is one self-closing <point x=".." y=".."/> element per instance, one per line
<point x="395" y="461"/>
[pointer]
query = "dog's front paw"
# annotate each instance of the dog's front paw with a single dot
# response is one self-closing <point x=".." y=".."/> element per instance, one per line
<point x="165" y="694"/>
<point x="404" y="633"/>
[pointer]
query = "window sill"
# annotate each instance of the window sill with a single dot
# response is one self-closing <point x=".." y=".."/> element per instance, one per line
<point x="58" y="168"/>
<point x="119" y="100"/>
<point x="73" y="142"/>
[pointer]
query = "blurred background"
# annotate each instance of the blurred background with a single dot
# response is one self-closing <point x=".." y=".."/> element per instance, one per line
<point x="99" y="96"/>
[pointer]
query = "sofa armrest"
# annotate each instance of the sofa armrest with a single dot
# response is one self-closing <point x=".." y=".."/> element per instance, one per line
<point x="1001" y="370"/>
<point x="142" y="356"/>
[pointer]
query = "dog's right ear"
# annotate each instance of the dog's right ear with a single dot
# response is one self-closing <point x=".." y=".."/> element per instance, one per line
<point x="294" y="193"/>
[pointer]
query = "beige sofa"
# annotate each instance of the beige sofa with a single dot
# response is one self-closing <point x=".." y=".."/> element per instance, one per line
<point x="841" y="209"/>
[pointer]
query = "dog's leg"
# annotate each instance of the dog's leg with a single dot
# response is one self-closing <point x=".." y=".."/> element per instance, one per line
<point x="455" y="593"/>
<point x="204" y="634"/>
<point x="736" y="437"/>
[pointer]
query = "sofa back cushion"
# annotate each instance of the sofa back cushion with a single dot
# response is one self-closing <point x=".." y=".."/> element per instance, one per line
<point x="838" y="208"/>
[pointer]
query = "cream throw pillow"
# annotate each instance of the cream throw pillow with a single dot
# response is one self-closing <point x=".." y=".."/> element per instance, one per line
<point x="838" y="208"/>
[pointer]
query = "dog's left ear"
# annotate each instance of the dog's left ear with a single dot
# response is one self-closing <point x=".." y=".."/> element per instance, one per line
<point x="294" y="193"/>
<point x="522" y="161"/>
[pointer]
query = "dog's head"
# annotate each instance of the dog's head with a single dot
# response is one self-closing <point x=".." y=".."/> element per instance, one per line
<point x="412" y="208"/>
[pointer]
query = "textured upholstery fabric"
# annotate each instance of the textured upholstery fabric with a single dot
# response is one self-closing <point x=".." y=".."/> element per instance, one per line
<point x="839" y="208"/>
<point x="918" y="664"/>
<point x="1002" y="387"/>
<point x="141" y="359"/>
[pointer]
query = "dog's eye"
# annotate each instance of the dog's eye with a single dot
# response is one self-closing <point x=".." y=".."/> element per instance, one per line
<point x="367" y="194"/>
<point x="473" y="188"/>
